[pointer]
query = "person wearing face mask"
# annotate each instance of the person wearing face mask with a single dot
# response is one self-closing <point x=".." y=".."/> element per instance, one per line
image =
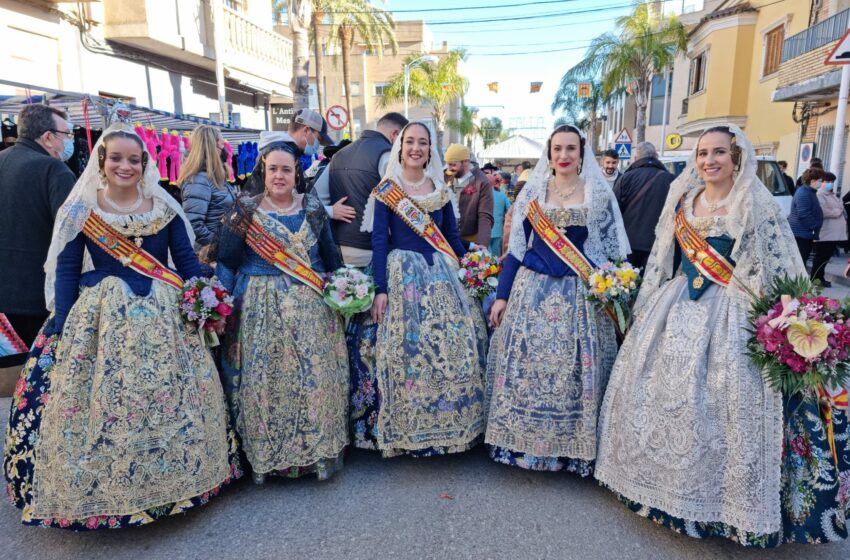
<point x="204" y="189"/>
<point x="306" y="134"/>
<point x="34" y="185"/>
<point x="832" y="232"/>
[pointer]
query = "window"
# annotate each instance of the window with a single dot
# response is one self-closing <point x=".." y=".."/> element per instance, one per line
<point x="656" y="102"/>
<point x="773" y="40"/>
<point x="355" y="89"/>
<point x="697" y="79"/>
<point x="237" y="5"/>
<point x="379" y="88"/>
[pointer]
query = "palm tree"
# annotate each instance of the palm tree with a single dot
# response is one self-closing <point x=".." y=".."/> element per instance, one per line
<point x="647" y="44"/>
<point x="299" y="13"/>
<point x="320" y="7"/>
<point x="438" y="84"/>
<point x="582" y="112"/>
<point x="358" y="19"/>
<point x="493" y="131"/>
<point x="465" y="125"/>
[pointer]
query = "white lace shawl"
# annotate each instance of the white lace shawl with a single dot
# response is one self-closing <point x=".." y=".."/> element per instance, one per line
<point x="433" y="171"/>
<point x="83" y="198"/>
<point x="764" y="245"/>
<point x="606" y="238"/>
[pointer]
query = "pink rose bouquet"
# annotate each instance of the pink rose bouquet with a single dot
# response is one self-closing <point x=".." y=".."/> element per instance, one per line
<point x="206" y="303"/>
<point x="349" y="291"/>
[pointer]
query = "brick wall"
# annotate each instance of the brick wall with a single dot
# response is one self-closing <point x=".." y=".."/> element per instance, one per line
<point x="806" y="66"/>
<point x="811" y="130"/>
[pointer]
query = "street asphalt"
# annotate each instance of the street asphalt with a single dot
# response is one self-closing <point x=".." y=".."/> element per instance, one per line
<point x="460" y="506"/>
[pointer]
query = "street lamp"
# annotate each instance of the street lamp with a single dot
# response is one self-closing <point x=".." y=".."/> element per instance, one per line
<point x="413" y="63"/>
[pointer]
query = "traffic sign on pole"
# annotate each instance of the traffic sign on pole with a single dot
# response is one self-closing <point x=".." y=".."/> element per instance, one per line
<point x="337" y="117"/>
<point x="624" y="151"/>
<point x="623" y="138"/>
<point x="840" y="54"/>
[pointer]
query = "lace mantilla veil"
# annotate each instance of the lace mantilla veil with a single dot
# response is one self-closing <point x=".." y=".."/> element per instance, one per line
<point x="433" y="171"/>
<point x="606" y="239"/>
<point x="83" y="198"/>
<point x="764" y="245"/>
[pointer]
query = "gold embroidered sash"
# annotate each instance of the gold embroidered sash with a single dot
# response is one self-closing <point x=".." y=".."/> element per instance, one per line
<point x="419" y="221"/>
<point x="128" y="253"/>
<point x="708" y="262"/>
<point x="561" y="245"/>
<point x="273" y="251"/>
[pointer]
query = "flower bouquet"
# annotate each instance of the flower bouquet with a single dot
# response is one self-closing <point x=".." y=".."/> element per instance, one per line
<point x="614" y="286"/>
<point x="206" y="303"/>
<point x="349" y="291"/>
<point x="479" y="273"/>
<point x="800" y="339"/>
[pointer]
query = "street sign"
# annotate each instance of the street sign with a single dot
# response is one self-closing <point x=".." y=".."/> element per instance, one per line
<point x="623" y="138"/>
<point x="673" y="141"/>
<point x="282" y="113"/>
<point x="624" y="151"/>
<point x="337" y="117"/>
<point x="840" y="54"/>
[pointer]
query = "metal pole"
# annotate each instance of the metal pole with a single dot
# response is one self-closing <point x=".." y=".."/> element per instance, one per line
<point x="666" y="110"/>
<point x="218" y="45"/>
<point x="406" y="85"/>
<point x="838" y="136"/>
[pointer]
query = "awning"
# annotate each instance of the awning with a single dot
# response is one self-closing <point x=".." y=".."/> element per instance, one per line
<point x="98" y="108"/>
<point x="516" y="148"/>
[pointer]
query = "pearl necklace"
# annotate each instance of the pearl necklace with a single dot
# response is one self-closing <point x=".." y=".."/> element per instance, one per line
<point x="564" y="193"/>
<point x="712" y="207"/>
<point x="280" y="210"/>
<point x="123" y="209"/>
<point x="414" y="186"/>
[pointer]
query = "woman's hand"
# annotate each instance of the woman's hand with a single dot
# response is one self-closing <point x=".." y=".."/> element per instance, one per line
<point x="497" y="312"/>
<point x="379" y="307"/>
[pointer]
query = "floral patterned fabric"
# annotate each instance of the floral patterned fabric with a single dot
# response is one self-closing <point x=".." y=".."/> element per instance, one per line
<point x="122" y="421"/>
<point x="286" y="373"/>
<point x="550" y="361"/>
<point x="815" y="486"/>
<point x="427" y="393"/>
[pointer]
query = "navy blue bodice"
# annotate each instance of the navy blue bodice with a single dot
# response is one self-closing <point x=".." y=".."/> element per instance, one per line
<point x="539" y="258"/>
<point x="390" y="232"/>
<point x="69" y="275"/>
<point x="722" y="245"/>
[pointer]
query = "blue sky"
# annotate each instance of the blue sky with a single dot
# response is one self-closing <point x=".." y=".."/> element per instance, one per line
<point x="556" y="42"/>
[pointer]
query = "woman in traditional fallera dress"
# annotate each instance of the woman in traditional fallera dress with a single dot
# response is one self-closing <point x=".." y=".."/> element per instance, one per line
<point x="553" y="349"/>
<point x="427" y="393"/>
<point x="285" y="367"/>
<point x="118" y="418"/>
<point x="691" y="436"/>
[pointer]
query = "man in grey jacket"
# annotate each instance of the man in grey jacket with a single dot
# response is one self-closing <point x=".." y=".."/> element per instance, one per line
<point x="33" y="185"/>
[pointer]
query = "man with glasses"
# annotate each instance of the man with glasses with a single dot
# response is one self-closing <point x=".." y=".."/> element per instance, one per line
<point x="33" y="185"/>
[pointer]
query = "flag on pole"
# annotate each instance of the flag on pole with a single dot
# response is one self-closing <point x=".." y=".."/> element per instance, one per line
<point x="584" y="90"/>
<point x="493" y="86"/>
<point x="535" y="87"/>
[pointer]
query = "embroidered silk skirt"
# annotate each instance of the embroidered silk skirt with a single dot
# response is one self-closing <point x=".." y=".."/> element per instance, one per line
<point x="286" y="374"/>
<point x="691" y="436"/>
<point x="428" y="396"/>
<point x="122" y="420"/>
<point x="549" y="361"/>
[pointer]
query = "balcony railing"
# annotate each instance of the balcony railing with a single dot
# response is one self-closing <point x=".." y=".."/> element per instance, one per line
<point x="244" y="37"/>
<point x="830" y="29"/>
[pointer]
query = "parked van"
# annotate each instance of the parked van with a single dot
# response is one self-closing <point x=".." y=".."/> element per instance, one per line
<point x="767" y="170"/>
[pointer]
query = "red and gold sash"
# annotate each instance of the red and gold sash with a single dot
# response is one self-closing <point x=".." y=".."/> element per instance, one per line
<point x="419" y="221"/>
<point x="127" y="253"/>
<point x="275" y="253"/>
<point x="828" y="401"/>
<point x="708" y="262"/>
<point x="559" y="243"/>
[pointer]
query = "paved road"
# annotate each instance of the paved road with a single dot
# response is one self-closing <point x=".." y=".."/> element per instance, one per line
<point x="461" y="506"/>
